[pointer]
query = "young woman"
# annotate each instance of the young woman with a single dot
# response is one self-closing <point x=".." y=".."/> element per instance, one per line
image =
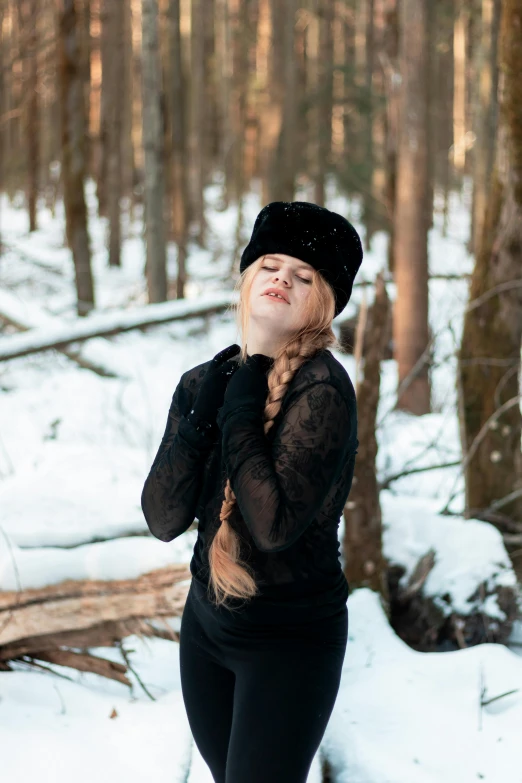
<point x="260" y="446"/>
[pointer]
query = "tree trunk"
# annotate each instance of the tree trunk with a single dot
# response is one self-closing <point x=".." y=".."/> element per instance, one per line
<point x="459" y="87"/>
<point x="225" y="65"/>
<point x="410" y="331"/>
<point x="272" y="110"/>
<point x="489" y="361"/>
<point x="391" y="132"/>
<point x="178" y="145"/>
<point x="242" y="33"/>
<point x="137" y="119"/>
<point x="362" y="544"/>
<point x="105" y="97"/>
<point x="485" y="110"/>
<point x="324" y="98"/>
<point x="153" y="146"/>
<point x="338" y="85"/>
<point x="287" y="147"/>
<point x="198" y="117"/>
<point x="28" y="25"/>
<point x="114" y="87"/>
<point x="73" y="133"/>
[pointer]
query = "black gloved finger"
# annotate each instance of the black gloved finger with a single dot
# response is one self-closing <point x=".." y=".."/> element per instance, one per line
<point x="250" y="380"/>
<point x="226" y="354"/>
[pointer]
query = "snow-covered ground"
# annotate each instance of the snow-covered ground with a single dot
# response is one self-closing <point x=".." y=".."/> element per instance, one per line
<point x="74" y="451"/>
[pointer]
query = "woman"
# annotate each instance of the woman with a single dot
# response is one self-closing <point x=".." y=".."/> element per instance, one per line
<point x="260" y="446"/>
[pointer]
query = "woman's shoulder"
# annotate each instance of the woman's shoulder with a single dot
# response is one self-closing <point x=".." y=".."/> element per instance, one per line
<point x="323" y="367"/>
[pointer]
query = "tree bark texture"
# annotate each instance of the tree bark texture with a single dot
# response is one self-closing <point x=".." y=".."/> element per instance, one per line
<point x="177" y="109"/>
<point x="44" y="624"/>
<point x="362" y="544"/>
<point x="410" y="331"/>
<point x="73" y="132"/>
<point x="485" y="111"/>
<point x="323" y="98"/>
<point x="28" y="20"/>
<point x="154" y="185"/>
<point x="114" y="86"/>
<point x="198" y="117"/>
<point x="489" y="361"/>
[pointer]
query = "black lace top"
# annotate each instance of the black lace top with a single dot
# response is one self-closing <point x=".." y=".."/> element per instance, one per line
<point x="291" y="485"/>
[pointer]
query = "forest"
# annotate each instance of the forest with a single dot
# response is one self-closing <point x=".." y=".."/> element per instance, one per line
<point x="138" y="141"/>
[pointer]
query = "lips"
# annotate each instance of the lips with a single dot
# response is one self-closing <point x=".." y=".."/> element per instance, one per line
<point x="276" y="291"/>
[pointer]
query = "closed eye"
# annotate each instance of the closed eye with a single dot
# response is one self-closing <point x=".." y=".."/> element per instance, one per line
<point x="274" y="269"/>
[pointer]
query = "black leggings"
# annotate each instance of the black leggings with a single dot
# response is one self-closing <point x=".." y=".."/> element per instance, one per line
<point x="258" y="697"/>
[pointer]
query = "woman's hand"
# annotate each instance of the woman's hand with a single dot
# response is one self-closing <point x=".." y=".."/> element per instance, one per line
<point x="212" y="390"/>
<point x="250" y="380"/>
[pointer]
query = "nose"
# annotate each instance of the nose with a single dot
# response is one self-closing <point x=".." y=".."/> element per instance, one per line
<point x="282" y="276"/>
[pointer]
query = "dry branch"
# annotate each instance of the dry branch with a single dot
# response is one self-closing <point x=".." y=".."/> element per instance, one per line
<point x="45" y="623"/>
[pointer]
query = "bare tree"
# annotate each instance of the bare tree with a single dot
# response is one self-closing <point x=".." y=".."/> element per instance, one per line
<point x="198" y="117"/>
<point x="362" y="543"/>
<point x="485" y="113"/>
<point x="28" y="21"/>
<point x="324" y="97"/>
<point x="412" y="212"/>
<point x="113" y="86"/>
<point x="73" y="132"/>
<point x="154" y="185"/>
<point x="489" y="361"/>
<point x="178" y="141"/>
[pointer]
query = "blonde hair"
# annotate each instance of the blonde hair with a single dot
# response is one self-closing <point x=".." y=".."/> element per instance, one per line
<point x="229" y="575"/>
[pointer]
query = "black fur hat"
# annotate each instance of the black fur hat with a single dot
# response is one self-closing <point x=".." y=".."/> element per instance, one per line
<point x="324" y="239"/>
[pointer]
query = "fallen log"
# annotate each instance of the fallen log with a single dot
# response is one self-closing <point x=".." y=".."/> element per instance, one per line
<point x="12" y="313"/>
<point x="58" y="336"/>
<point x="60" y="623"/>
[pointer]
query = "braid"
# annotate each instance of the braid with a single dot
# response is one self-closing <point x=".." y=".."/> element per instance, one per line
<point x="229" y="575"/>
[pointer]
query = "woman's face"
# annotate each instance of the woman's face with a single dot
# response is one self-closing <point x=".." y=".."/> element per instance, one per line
<point x="292" y="279"/>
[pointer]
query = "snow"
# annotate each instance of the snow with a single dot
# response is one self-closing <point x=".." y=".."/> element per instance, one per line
<point x="74" y="451"/>
<point x="468" y="552"/>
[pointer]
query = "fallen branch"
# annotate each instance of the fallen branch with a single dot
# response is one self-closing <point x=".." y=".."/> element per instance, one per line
<point x="44" y="624"/>
<point x="78" y="606"/>
<point x="87" y="663"/>
<point x="58" y="336"/>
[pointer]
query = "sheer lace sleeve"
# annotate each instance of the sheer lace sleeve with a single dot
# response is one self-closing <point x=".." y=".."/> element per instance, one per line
<point x="171" y="490"/>
<point x="280" y="485"/>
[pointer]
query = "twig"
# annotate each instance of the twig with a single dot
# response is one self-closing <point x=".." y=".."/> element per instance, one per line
<point x="478" y="440"/>
<point x="395" y="476"/>
<point x="496" y="698"/>
<point x="135" y="673"/>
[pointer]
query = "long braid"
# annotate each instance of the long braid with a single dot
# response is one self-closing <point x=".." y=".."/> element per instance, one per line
<point x="229" y="575"/>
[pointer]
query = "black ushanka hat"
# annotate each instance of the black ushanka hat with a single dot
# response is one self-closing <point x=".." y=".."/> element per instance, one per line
<point x="324" y="239"/>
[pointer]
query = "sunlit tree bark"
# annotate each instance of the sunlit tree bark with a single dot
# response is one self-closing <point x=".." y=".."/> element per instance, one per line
<point x="177" y="104"/>
<point x="410" y="328"/>
<point x="28" y="20"/>
<point x="73" y="131"/>
<point x="114" y="86"/>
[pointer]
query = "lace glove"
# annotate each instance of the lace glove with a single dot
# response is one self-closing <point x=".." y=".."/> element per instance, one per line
<point x="212" y="390"/>
<point x="248" y="386"/>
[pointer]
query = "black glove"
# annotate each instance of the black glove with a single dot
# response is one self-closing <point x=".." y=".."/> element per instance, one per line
<point x="250" y="380"/>
<point x="212" y="390"/>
